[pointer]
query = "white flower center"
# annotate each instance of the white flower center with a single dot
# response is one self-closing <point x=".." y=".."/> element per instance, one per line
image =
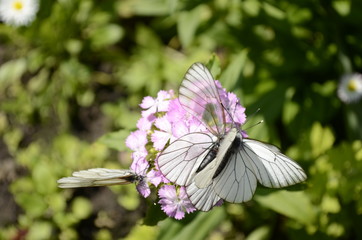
<point x="352" y="85"/>
<point x="18" y="5"/>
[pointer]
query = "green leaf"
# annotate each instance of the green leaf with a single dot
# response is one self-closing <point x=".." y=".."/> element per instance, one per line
<point x="40" y="230"/>
<point x="342" y="7"/>
<point x="198" y="228"/>
<point x="251" y="7"/>
<point x="231" y="74"/>
<point x="143" y="7"/>
<point x="321" y="139"/>
<point x="44" y="178"/>
<point x="115" y="140"/>
<point x="107" y="35"/>
<point x="32" y="203"/>
<point x="142" y="232"/>
<point x="11" y="71"/>
<point x="214" y="66"/>
<point x="290" y="111"/>
<point x="187" y="24"/>
<point x="260" y="233"/>
<point x="273" y="11"/>
<point x="81" y="207"/>
<point x="295" y="205"/>
<point x="154" y="215"/>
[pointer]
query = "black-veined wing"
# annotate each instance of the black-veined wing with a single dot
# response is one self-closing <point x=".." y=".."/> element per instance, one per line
<point x="99" y="177"/>
<point x="202" y="198"/>
<point x="237" y="182"/>
<point x="205" y="177"/>
<point x="199" y="96"/>
<point x="254" y="161"/>
<point x="180" y="160"/>
<point x="271" y="167"/>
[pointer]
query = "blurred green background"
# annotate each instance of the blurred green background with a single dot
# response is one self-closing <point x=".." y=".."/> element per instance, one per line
<point x="71" y="82"/>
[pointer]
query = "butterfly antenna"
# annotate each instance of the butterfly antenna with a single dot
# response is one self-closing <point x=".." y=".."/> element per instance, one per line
<point x="251" y="115"/>
<point x="256" y="124"/>
<point x="228" y="112"/>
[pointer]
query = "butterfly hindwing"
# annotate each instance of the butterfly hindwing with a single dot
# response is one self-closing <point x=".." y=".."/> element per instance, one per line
<point x="202" y="198"/>
<point x="237" y="182"/>
<point x="179" y="161"/>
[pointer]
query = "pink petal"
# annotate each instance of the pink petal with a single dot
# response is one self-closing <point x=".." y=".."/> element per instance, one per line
<point x="147" y="102"/>
<point x="137" y="140"/>
<point x="145" y="123"/>
<point x="160" y="139"/>
<point x="155" y="177"/>
<point x="143" y="189"/>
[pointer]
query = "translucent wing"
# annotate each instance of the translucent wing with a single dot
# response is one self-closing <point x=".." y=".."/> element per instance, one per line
<point x="255" y="161"/>
<point x="179" y="161"/>
<point x="202" y="198"/>
<point x="237" y="182"/>
<point x="199" y="96"/>
<point x="271" y="167"/>
<point x="205" y="177"/>
<point x="98" y="177"/>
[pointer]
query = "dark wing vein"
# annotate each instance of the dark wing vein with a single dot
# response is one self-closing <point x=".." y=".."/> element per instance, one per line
<point x="271" y="167"/>
<point x="199" y="95"/>
<point x="179" y="161"/>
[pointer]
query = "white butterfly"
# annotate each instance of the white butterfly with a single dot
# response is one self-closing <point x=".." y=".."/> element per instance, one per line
<point x="99" y="177"/>
<point x="220" y="163"/>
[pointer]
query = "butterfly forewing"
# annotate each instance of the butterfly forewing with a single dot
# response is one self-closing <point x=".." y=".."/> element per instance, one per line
<point x="270" y="166"/>
<point x="199" y="96"/>
<point x="99" y="177"/>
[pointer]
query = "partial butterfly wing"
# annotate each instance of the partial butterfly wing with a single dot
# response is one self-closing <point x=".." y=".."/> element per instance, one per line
<point x="180" y="160"/>
<point x="237" y="182"/>
<point x="98" y="177"/>
<point x="202" y="198"/>
<point x="271" y="167"/>
<point x="205" y="177"/>
<point x="255" y="161"/>
<point x="199" y="96"/>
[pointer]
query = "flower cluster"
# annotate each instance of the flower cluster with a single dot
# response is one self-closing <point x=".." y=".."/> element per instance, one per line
<point x="163" y="121"/>
<point x="18" y="12"/>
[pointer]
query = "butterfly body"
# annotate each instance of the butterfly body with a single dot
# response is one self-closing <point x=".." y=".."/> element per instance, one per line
<point x="211" y="155"/>
<point x="231" y="149"/>
<point x="213" y="169"/>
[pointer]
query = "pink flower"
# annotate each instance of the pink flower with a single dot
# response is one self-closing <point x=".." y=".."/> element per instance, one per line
<point x="145" y="123"/>
<point x="160" y="129"/>
<point x="159" y="104"/>
<point x="176" y="111"/>
<point x="140" y="167"/>
<point x="155" y="177"/>
<point x="236" y="111"/>
<point x="175" y="204"/>
<point x="137" y="141"/>
<point x="160" y="137"/>
<point x="182" y="122"/>
<point x="143" y="188"/>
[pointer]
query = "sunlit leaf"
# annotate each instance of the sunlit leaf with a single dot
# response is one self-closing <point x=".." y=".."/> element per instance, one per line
<point x="198" y="228"/>
<point x="295" y="205"/>
<point x="321" y="139"/>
